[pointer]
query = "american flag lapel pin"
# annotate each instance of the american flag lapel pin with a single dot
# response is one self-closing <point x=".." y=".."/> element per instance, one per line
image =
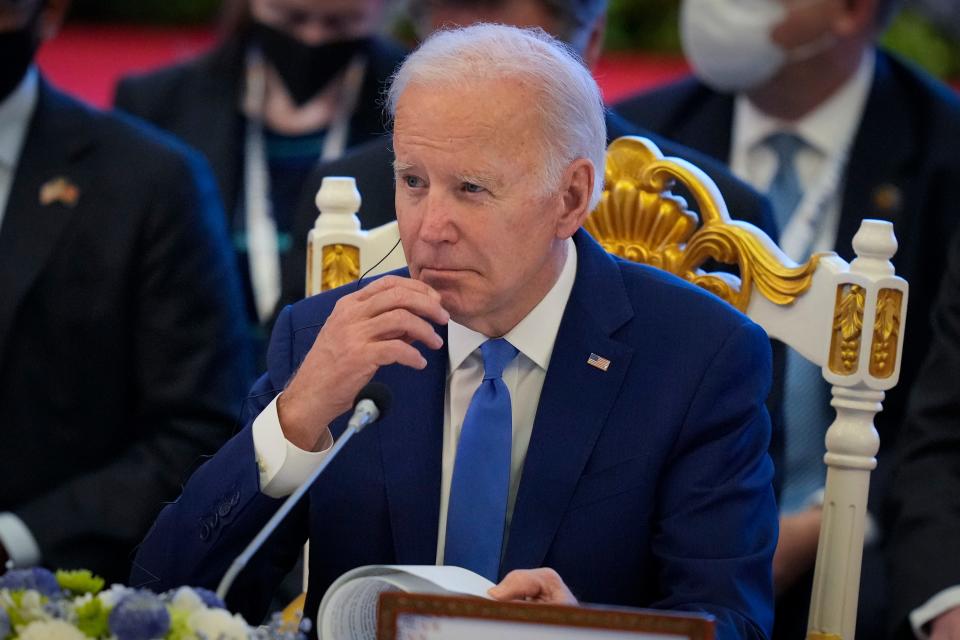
<point x="59" y="190"/>
<point x="598" y="361"/>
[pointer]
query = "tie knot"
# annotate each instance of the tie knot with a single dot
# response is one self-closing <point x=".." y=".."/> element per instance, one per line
<point x="785" y="145"/>
<point x="497" y="354"/>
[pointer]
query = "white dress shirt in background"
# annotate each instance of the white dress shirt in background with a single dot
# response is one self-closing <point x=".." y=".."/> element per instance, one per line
<point x="828" y="133"/>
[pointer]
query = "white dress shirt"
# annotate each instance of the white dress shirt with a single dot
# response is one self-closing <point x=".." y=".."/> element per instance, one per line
<point x="283" y="466"/>
<point x="15" y="113"/>
<point x="828" y="133"/>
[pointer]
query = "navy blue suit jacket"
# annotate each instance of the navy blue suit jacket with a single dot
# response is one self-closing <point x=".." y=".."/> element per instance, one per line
<point x="647" y="485"/>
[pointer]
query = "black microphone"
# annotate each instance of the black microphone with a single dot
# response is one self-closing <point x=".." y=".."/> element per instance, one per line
<point x="371" y="404"/>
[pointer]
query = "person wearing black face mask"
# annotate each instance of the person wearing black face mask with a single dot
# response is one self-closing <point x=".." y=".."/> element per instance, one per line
<point x="122" y="350"/>
<point x="292" y="82"/>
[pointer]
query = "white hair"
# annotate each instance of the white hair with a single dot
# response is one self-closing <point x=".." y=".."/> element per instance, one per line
<point x="569" y="102"/>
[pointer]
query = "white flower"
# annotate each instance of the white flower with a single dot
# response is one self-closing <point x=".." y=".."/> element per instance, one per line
<point x="111" y="596"/>
<point x="217" y="624"/>
<point x="51" y="630"/>
<point x="31" y="606"/>
<point x="186" y="599"/>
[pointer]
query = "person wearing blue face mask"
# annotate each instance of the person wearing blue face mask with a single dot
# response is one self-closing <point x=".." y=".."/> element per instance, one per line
<point x="802" y="103"/>
<point x="293" y="82"/>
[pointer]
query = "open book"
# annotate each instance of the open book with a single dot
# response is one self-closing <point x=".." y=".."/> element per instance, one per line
<point x="348" y="610"/>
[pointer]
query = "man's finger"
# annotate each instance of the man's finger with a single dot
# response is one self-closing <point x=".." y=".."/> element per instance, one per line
<point x="417" y="302"/>
<point x="400" y="323"/>
<point x="388" y="282"/>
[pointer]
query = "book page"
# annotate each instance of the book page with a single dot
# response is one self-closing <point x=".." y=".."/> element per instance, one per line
<point x="349" y="607"/>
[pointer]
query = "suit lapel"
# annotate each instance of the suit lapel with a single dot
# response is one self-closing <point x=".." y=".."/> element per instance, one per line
<point x="879" y="156"/>
<point x="31" y="229"/>
<point x="411" y="442"/>
<point x="574" y="404"/>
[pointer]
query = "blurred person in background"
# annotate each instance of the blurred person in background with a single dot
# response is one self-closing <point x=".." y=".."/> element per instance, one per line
<point x="797" y="97"/>
<point x="123" y="356"/>
<point x="924" y="547"/>
<point x="291" y="83"/>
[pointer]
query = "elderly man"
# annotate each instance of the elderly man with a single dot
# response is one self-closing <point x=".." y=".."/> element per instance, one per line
<point x="641" y="479"/>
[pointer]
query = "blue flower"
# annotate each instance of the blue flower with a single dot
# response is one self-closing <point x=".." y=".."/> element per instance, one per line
<point x="140" y="615"/>
<point x="210" y="599"/>
<point x="4" y="623"/>
<point x="34" y="578"/>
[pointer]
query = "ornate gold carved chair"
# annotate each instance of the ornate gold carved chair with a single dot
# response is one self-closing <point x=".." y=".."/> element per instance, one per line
<point x="847" y="318"/>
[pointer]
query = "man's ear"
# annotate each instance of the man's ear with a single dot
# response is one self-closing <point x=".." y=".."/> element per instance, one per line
<point x="577" y="183"/>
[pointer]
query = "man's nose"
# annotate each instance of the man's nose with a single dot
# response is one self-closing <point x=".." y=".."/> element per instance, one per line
<point x="438" y="219"/>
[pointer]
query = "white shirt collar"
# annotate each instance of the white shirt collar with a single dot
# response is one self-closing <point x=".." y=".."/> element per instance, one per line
<point x="829" y="128"/>
<point x="15" y="113"/>
<point x="533" y="336"/>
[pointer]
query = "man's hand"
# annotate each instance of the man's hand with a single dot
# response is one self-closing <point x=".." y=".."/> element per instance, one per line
<point x="946" y="626"/>
<point x="533" y="585"/>
<point x="796" y="548"/>
<point x="369" y="329"/>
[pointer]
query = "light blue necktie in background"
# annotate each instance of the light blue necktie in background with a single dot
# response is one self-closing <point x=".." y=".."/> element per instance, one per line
<point x="476" y="516"/>
<point x="806" y="406"/>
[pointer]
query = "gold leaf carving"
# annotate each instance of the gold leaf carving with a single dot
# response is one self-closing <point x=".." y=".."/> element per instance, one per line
<point x="886" y="333"/>
<point x="341" y="265"/>
<point x="847" y="329"/>
<point x="310" y="284"/>
<point x="639" y="219"/>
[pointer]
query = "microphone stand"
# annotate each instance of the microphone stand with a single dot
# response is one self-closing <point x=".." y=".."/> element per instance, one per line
<point x="357" y="423"/>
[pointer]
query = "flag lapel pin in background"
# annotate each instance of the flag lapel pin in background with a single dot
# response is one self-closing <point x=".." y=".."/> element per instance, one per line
<point x="598" y="361"/>
<point x="59" y="190"/>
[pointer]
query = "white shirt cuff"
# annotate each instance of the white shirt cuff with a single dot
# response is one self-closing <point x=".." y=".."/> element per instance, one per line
<point x="283" y="465"/>
<point x="18" y="541"/>
<point x="932" y="608"/>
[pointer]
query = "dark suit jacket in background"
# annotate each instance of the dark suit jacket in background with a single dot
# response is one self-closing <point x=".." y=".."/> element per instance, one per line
<point x="199" y="102"/>
<point x="924" y="547"/>
<point x="648" y="484"/>
<point x="903" y="167"/>
<point x="122" y="356"/>
<point x="371" y="165"/>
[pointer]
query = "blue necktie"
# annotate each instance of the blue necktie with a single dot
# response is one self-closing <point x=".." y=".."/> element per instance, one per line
<point x="785" y="190"/>
<point x="476" y="516"/>
<point x="806" y="407"/>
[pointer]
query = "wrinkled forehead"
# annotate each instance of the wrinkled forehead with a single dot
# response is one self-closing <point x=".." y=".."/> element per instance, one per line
<point x="486" y="111"/>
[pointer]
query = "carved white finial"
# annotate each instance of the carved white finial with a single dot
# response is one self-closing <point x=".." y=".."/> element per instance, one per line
<point x="874" y="245"/>
<point x="338" y="201"/>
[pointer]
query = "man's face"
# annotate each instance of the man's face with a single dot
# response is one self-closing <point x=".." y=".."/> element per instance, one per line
<point x="518" y="13"/>
<point x="319" y="21"/>
<point x="475" y="222"/>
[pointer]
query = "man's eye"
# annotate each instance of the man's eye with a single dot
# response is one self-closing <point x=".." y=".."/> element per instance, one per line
<point x="413" y="182"/>
<point x="469" y="187"/>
